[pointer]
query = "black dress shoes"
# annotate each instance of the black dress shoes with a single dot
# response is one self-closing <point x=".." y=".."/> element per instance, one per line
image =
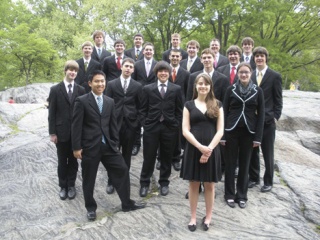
<point x="230" y="203"/>
<point x="266" y="188"/>
<point x="110" y="189"/>
<point x="91" y="215"/>
<point x="164" y="190"/>
<point x="251" y="184"/>
<point x="158" y="165"/>
<point x="176" y="166"/>
<point x="192" y="227"/>
<point x="143" y="191"/>
<point x="135" y="150"/>
<point x="242" y="204"/>
<point x="71" y="192"/>
<point x="63" y="194"/>
<point x="205" y="226"/>
<point x="133" y="206"/>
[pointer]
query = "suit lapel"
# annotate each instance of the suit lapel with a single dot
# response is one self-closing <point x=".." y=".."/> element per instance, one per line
<point x="64" y="91"/>
<point x="75" y="92"/>
<point x="93" y="103"/>
<point x="265" y="76"/>
<point x="119" y="86"/>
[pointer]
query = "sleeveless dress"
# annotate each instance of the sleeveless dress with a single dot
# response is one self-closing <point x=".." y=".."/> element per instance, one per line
<point x="203" y="128"/>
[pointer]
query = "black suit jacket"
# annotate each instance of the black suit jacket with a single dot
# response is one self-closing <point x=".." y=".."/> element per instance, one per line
<point x="182" y="79"/>
<point x="223" y="60"/>
<point x="252" y="62"/>
<point x="88" y="125"/>
<point x="153" y="106"/>
<point x="131" y="53"/>
<point x="61" y="110"/>
<point x="110" y="68"/>
<point x="271" y="85"/>
<point x="250" y="110"/>
<point x="165" y="55"/>
<point x="220" y="85"/>
<point x="196" y="66"/>
<point x="225" y="70"/>
<point x="83" y="76"/>
<point x="127" y="104"/>
<point x="103" y="55"/>
<point x="140" y="74"/>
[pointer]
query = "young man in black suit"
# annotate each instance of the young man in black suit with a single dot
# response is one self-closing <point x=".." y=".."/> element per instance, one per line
<point x="175" y="44"/>
<point x="126" y="93"/>
<point x="161" y="113"/>
<point x="192" y="63"/>
<point x="247" y="44"/>
<point x="271" y="84"/>
<point x="95" y="139"/>
<point x="136" y="52"/>
<point x="143" y="73"/>
<point x="220" y="81"/>
<point x="230" y="70"/>
<point x="99" y="53"/>
<point x="86" y="66"/>
<point x="61" y="101"/>
<point x="219" y="60"/>
<point x="112" y="65"/>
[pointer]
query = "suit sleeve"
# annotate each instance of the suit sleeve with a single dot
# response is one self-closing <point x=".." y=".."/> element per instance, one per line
<point x="52" y="111"/>
<point x="105" y="67"/>
<point x="277" y="95"/>
<point x="113" y="128"/>
<point x="190" y="88"/>
<point x="226" y="103"/>
<point x="143" y="106"/>
<point x="109" y="91"/>
<point x="77" y="123"/>
<point x="260" y="123"/>
<point x="179" y="106"/>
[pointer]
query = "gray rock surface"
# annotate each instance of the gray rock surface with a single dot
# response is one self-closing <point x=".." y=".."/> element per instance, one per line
<point x="31" y="209"/>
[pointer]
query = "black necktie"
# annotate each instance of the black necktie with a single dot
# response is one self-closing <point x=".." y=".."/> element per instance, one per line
<point x="70" y="92"/>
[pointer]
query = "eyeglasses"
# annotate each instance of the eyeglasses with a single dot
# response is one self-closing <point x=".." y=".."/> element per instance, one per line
<point x="244" y="72"/>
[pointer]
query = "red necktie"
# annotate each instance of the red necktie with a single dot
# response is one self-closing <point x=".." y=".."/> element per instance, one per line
<point x="118" y="63"/>
<point x="174" y="75"/>
<point x="232" y="75"/>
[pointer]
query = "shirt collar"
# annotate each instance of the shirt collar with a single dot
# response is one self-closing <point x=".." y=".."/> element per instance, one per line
<point x="159" y="83"/>
<point x="263" y="71"/>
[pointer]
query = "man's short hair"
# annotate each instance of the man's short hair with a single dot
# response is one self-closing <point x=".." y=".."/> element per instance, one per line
<point x="193" y="42"/>
<point x="208" y="51"/>
<point x="148" y="44"/>
<point x="247" y="40"/>
<point x="161" y="65"/>
<point x="119" y="41"/>
<point x="176" y="51"/>
<point x="234" y="48"/>
<point x="127" y="59"/>
<point x="94" y="73"/>
<point x="70" y="65"/>
<point x="177" y="35"/>
<point x="215" y="40"/>
<point x="98" y="33"/>
<point x="138" y="35"/>
<point x="260" y="50"/>
<point x="87" y="44"/>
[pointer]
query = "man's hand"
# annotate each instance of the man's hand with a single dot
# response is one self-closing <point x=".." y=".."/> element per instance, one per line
<point x="77" y="154"/>
<point x="54" y="138"/>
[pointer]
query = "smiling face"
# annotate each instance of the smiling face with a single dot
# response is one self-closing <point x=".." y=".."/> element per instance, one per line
<point x="175" y="41"/>
<point x="70" y="74"/>
<point x="148" y="52"/>
<point x="97" y="84"/>
<point x="244" y="75"/>
<point x="234" y="58"/>
<point x="247" y="48"/>
<point x="192" y="50"/>
<point x="175" y="58"/>
<point x="138" y="41"/>
<point x="260" y="60"/>
<point x="163" y="75"/>
<point x="215" y="46"/>
<point x="119" y="47"/>
<point x="207" y="61"/>
<point x="202" y="86"/>
<point x="87" y="51"/>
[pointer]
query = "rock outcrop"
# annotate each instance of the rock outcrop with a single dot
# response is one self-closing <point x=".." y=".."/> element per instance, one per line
<point x="31" y="208"/>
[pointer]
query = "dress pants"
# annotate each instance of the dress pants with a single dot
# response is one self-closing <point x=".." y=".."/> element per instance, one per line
<point x="159" y="136"/>
<point x="178" y="146"/>
<point x="239" y="145"/>
<point x="126" y="139"/>
<point x="117" y="170"/>
<point x="67" y="165"/>
<point x="267" y="147"/>
<point x="137" y="141"/>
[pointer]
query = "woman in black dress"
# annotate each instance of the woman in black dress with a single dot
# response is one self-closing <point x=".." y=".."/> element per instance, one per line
<point x="202" y="126"/>
<point x="244" y="118"/>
